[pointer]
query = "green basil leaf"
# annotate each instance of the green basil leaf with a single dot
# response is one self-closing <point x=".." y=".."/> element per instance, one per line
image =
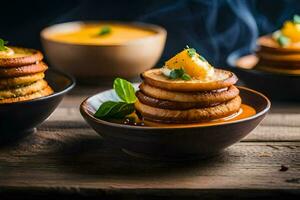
<point x="176" y="73"/>
<point x="125" y="90"/>
<point x="104" y="30"/>
<point x="2" y="44"/>
<point x="296" y="19"/>
<point x="283" y="40"/>
<point x="112" y="109"/>
<point x="191" y="52"/>
<point x="122" y="110"/>
<point x="186" y="77"/>
<point x="105" y="109"/>
<point x="179" y="73"/>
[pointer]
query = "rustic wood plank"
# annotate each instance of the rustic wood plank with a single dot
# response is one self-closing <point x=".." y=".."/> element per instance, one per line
<point x="69" y="160"/>
<point x="270" y="133"/>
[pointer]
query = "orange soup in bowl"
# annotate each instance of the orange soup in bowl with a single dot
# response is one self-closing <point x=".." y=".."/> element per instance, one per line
<point x="101" y="34"/>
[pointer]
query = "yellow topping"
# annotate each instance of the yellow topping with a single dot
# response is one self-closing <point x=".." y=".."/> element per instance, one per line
<point x="292" y="31"/>
<point x="192" y="63"/>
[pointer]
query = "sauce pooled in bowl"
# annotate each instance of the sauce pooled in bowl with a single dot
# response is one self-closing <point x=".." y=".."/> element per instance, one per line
<point x="100" y="34"/>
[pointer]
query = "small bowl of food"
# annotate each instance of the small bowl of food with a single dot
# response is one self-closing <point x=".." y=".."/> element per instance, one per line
<point x="29" y="92"/>
<point x="98" y="51"/>
<point x="274" y="68"/>
<point x="184" y="110"/>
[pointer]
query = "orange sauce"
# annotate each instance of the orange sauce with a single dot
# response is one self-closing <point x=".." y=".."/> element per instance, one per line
<point x="244" y="112"/>
<point x="89" y="34"/>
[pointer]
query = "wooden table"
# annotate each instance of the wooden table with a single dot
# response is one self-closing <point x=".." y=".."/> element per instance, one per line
<point x="66" y="158"/>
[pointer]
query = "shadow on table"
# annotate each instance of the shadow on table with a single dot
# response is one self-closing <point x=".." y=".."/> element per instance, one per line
<point x="92" y="156"/>
<point x="87" y="153"/>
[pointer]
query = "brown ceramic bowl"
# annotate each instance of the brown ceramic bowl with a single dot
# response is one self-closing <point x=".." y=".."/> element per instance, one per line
<point x="96" y="63"/>
<point x="169" y="143"/>
<point x="20" y="119"/>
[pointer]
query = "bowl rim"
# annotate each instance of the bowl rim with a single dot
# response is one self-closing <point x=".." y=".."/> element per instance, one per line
<point x="86" y="113"/>
<point x="70" y="86"/>
<point x="159" y="31"/>
<point x="233" y="56"/>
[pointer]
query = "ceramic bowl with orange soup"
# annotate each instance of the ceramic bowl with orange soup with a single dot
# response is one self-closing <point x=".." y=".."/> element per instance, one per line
<point x="99" y="51"/>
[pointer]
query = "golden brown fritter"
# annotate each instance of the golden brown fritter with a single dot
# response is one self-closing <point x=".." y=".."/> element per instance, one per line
<point x="205" y="97"/>
<point x="279" y="70"/>
<point x="221" y="79"/>
<point x="278" y="57"/>
<point x="171" y="105"/>
<point x="41" y="93"/>
<point x="21" y="57"/>
<point x="280" y="64"/>
<point x="21" y="80"/>
<point x="268" y="44"/>
<point x="23" y="70"/>
<point x="23" y="90"/>
<point x="189" y="116"/>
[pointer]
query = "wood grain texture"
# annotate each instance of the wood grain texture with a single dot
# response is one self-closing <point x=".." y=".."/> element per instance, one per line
<point x="81" y="159"/>
<point x="65" y="158"/>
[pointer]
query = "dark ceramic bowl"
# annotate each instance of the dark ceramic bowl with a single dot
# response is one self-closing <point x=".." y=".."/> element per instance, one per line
<point x="279" y="87"/>
<point x="168" y="143"/>
<point x="21" y="118"/>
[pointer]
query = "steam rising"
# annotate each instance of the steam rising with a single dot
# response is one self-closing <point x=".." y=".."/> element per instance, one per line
<point x="214" y="27"/>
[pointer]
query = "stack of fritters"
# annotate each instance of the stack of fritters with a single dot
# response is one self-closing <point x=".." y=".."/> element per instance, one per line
<point x="177" y="101"/>
<point x="22" y="76"/>
<point x="274" y="58"/>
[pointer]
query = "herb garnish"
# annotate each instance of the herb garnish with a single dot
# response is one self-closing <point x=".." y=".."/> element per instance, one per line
<point x="112" y="109"/>
<point x="124" y="90"/>
<point x="186" y="77"/>
<point x="296" y="19"/>
<point x="118" y="110"/>
<point x="176" y="73"/>
<point x="191" y="51"/>
<point x="283" y="40"/>
<point x="179" y="73"/>
<point x="2" y="44"/>
<point x="105" y="30"/>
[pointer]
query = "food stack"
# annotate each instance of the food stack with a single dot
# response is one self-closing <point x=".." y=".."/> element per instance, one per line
<point x="280" y="52"/>
<point x="198" y="96"/>
<point x="275" y="58"/>
<point x="22" y="75"/>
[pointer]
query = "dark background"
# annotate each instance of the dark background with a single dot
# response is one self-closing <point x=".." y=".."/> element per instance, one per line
<point x="214" y="27"/>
